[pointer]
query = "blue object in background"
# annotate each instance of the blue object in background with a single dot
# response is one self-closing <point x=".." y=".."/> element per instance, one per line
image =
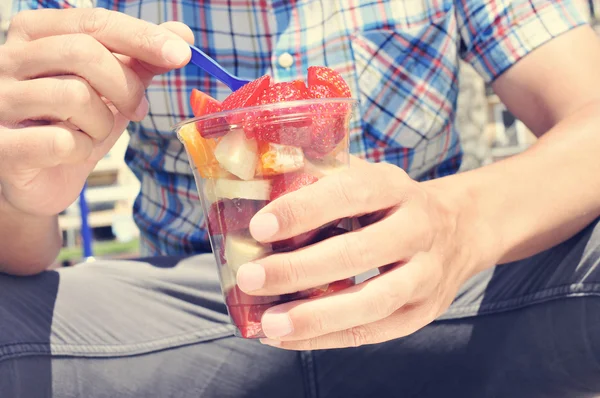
<point x="86" y="231"/>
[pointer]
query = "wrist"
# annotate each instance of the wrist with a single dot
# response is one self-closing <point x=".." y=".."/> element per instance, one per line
<point x="28" y="243"/>
<point x="479" y="244"/>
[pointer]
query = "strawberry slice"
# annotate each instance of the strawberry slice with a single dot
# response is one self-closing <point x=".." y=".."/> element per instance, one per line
<point x="323" y="76"/>
<point x="262" y="126"/>
<point x="329" y="126"/>
<point x="286" y="183"/>
<point x="327" y="131"/>
<point x="247" y="95"/>
<point x="246" y="311"/>
<point x="203" y="104"/>
<point x="229" y="215"/>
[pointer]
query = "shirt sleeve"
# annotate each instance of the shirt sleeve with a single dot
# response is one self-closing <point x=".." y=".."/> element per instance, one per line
<point x="496" y="34"/>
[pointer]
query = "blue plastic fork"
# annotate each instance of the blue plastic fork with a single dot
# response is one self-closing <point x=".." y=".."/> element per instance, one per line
<point x="210" y="66"/>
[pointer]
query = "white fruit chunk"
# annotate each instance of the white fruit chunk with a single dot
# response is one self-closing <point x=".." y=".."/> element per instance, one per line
<point x="325" y="167"/>
<point x="236" y="189"/>
<point x="237" y="154"/>
<point x="240" y="249"/>
<point x="279" y="159"/>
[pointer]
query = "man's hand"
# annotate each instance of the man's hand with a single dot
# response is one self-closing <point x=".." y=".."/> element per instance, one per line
<point x="430" y="237"/>
<point x="70" y="81"/>
<point x="414" y="233"/>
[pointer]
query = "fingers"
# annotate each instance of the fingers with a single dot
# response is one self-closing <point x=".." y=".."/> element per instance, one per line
<point x="118" y="32"/>
<point x="388" y="306"/>
<point x="403" y="322"/>
<point x="62" y="98"/>
<point x="362" y="189"/>
<point x="336" y="258"/>
<point x="88" y="59"/>
<point x="147" y="71"/>
<point x="42" y="147"/>
<point x="374" y="299"/>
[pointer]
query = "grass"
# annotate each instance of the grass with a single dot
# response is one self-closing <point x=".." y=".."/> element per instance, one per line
<point x="100" y="249"/>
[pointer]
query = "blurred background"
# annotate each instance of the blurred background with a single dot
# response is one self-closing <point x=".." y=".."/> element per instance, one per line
<point x="488" y="133"/>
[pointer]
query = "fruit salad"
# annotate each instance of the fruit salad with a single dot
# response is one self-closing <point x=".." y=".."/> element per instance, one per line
<point x="264" y="141"/>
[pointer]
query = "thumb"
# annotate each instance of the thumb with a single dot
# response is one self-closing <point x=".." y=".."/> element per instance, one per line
<point x="145" y="71"/>
<point x="40" y="147"/>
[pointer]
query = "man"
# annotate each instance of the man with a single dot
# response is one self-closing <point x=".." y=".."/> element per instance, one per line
<point x="70" y="82"/>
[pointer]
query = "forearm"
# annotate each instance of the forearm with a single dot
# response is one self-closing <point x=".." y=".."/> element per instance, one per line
<point x="533" y="201"/>
<point x="28" y="244"/>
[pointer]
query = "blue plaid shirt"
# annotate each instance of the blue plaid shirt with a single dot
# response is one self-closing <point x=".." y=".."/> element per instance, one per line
<point x="400" y="58"/>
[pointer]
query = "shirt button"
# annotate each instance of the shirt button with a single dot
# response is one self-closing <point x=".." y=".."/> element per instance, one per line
<point x="286" y="60"/>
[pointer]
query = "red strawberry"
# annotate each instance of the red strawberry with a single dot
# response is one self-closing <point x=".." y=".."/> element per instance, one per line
<point x="247" y="95"/>
<point x="203" y="104"/>
<point x="322" y="76"/>
<point x="228" y="215"/>
<point x="246" y="311"/>
<point x="282" y="92"/>
<point x="289" y="182"/>
<point x="329" y="123"/>
<point x="326" y="133"/>
<point x="263" y="125"/>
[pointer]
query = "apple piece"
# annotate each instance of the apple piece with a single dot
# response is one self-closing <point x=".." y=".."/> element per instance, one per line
<point x="241" y="248"/>
<point x="237" y="154"/>
<point x="237" y="189"/>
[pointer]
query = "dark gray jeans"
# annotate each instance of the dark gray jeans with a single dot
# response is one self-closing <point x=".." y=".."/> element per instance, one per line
<point x="158" y="328"/>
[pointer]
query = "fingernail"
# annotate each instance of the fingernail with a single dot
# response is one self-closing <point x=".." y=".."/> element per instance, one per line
<point x="142" y="109"/>
<point x="276" y="324"/>
<point x="264" y="226"/>
<point x="273" y="343"/>
<point x="176" y="51"/>
<point x="251" y="277"/>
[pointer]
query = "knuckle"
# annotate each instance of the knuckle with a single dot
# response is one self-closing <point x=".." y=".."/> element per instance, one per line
<point x="75" y="90"/>
<point x="81" y="48"/>
<point x="134" y="92"/>
<point x="318" y="324"/>
<point x="383" y="305"/>
<point x="150" y="38"/>
<point x="19" y="21"/>
<point x="356" y="336"/>
<point x="310" y="323"/>
<point x="289" y="213"/>
<point x="95" y="21"/>
<point x="343" y="193"/>
<point x="292" y="271"/>
<point x="353" y="254"/>
<point x="389" y="168"/>
<point x="9" y="60"/>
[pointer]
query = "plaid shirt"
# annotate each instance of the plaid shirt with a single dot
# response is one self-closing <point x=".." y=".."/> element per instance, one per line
<point x="400" y="58"/>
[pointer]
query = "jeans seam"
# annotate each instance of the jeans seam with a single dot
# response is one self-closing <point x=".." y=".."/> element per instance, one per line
<point x="308" y="372"/>
<point x="15" y="350"/>
<point x="554" y="293"/>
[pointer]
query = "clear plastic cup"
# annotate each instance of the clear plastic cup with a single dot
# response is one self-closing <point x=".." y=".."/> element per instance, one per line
<point x="245" y="158"/>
